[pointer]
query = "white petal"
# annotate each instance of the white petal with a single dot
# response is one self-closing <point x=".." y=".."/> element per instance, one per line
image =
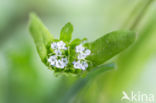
<point x="54" y="45"/>
<point x="74" y="62"/>
<point x="81" y="56"/>
<point x="49" y="60"/>
<point x="77" y="65"/>
<point x="87" y="52"/>
<point x="79" y="48"/>
<point x="58" y="52"/>
<point x="64" y="60"/>
<point x="53" y="63"/>
<point x="85" y="64"/>
<point x="83" y="67"/>
<point x="59" y="64"/>
<point x="61" y="45"/>
<point x="65" y="48"/>
<point x="52" y="60"/>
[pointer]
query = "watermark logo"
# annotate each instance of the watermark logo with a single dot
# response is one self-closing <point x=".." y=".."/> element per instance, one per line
<point x="138" y="97"/>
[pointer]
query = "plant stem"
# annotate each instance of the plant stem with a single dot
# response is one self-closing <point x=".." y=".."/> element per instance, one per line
<point x="141" y="15"/>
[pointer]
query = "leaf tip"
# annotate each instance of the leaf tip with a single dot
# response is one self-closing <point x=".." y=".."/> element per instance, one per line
<point x="32" y="14"/>
<point x="69" y="25"/>
<point x="66" y="32"/>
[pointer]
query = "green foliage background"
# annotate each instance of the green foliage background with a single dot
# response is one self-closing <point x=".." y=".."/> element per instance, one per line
<point x="25" y="79"/>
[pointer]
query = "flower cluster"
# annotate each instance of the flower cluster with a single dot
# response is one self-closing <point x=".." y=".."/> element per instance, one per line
<point x="81" y="62"/>
<point x="60" y="59"/>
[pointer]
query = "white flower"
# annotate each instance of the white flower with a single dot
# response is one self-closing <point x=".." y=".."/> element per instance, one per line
<point x="83" y="68"/>
<point x="77" y="65"/>
<point x="65" y="61"/>
<point x="85" y="64"/>
<point x="61" y="45"/>
<point x="58" y="52"/>
<point x="52" y="60"/>
<point x="60" y="64"/>
<point x="81" y="56"/>
<point x="60" y="60"/>
<point x="79" y="48"/>
<point x="54" y="45"/>
<point x="87" y="52"/>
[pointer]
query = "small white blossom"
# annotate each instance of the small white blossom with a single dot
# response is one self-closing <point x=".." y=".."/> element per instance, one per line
<point x="87" y="52"/>
<point x="83" y="68"/>
<point x="80" y="65"/>
<point x="77" y="65"/>
<point x="58" y="52"/>
<point x="85" y="64"/>
<point x="79" y="48"/>
<point x="54" y="45"/>
<point x="74" y="62"/>
<point x="65" y="61"/>
<point x="52" y="60"/>
<point x="61" y="45"/>
<point x="60" y="64"/>
<point x="81" y="56"/>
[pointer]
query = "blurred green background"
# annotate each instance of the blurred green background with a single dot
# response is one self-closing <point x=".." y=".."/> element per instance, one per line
<point x="25" y="79"/>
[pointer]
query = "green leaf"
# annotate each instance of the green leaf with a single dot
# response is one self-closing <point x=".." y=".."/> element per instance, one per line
<point x="66" y="32"/>
<point x="80" y="83"/>
<point x="41" y="36"/>
<point x="75" y="42"/>
<point x="109" y="45"/>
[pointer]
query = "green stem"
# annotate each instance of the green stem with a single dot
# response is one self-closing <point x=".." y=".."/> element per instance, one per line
<point x="135" y="10"/>
<point x="137" y="14"/>
<point x="141" y="15"/>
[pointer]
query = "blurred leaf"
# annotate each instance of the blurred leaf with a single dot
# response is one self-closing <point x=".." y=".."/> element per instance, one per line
<point x="132" y="62"/>
<point x="109" y="45"/>
<point x="66" y="32"/>
<point x="41" y="36"/>
<point x="137" y="13"/>
<point x="83" y="81"/>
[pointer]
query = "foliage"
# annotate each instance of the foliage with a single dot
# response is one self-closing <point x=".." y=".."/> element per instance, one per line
<point x="102" y="49"/>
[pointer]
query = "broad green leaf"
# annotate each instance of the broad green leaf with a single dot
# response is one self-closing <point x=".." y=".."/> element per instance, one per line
<point x="109" y="45"/>
<point x="66" y="32"/>
<point x="41" y="36"/>
<point x="83" y="81"/>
